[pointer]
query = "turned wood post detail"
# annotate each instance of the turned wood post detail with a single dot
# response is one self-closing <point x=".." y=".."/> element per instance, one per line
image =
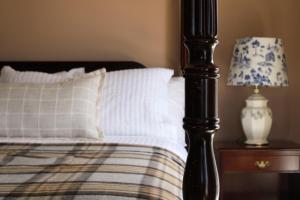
<point x="199" y="21"/>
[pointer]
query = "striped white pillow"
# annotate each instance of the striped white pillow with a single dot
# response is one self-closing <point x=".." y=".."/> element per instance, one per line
<point x="176" y="103"/>
<point x="9" y="75"/>
<point x="135" y="103"/>
<point x="56" y="110"/>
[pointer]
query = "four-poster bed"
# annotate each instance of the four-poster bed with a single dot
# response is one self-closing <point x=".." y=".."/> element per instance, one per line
<point x="199" y="25"/>
<point x="199" y="30"/>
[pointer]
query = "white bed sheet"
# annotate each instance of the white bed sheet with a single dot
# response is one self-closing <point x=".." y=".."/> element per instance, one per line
<point x="176" y="148"/>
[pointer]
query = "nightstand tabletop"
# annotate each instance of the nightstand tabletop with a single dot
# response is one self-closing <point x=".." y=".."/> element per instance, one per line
<point x="272" y="145"/>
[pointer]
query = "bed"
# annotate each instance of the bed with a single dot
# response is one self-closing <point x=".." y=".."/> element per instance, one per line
<point x="91" y="169"/>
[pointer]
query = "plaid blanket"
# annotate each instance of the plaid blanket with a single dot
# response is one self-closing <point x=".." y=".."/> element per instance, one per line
<point x="89" y="171"/>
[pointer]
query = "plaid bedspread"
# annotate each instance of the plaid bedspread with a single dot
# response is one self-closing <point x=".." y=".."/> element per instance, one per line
<point x="89" y="171"/>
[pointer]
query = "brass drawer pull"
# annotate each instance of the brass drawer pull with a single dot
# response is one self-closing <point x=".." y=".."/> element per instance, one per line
<point x="262" y="164"/>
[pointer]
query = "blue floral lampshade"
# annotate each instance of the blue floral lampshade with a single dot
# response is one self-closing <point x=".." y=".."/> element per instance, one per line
<point x="258" y="61"/>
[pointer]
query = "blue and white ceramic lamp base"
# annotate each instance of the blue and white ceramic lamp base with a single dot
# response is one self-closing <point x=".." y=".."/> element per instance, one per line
<point x="256" y="120"/>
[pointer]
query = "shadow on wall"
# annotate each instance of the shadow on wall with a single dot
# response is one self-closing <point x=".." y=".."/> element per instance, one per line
<point x="173" y="34"/>
<point x="241" y="19"/>
<point x="291" y="33"/>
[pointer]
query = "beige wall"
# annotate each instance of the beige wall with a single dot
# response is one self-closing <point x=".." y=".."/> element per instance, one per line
<point x="148" y="31"/>
<point x="274" y="18"/>
<point x="141" y="30"/>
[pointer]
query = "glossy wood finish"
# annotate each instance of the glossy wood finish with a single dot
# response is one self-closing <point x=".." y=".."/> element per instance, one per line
<point x="199" y="20"/>
<point x="56" y="66"/>
<point x="259" y="162"/>
<point x="282" y="158"/>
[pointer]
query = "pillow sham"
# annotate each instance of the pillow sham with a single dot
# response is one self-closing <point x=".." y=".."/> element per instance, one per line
<point x="167" y="122"/>
<point x="135" y="103"/>
<point x="9" y="75"/>
<point x="56" y="110"/>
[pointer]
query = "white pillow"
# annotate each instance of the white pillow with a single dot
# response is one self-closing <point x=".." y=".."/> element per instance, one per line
<point x="9" y="75"/>
<point x="167" y="123"/>
<point x="135" y="103"/>
<point x="56" y="110"/>
<point x="176" y="103"/>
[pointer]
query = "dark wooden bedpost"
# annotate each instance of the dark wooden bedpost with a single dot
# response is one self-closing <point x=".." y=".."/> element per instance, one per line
<point x="199" y="20"/>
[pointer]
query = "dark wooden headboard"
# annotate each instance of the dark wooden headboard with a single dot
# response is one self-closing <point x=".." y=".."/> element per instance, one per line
<point x="56" y="66"/>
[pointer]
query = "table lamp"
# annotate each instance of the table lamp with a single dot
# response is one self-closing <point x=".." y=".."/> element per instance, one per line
<point x="257" y="62"/>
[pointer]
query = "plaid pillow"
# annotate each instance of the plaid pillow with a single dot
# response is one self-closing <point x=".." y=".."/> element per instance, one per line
<point x="56" y="110"/>
<point x="9" y="75"/>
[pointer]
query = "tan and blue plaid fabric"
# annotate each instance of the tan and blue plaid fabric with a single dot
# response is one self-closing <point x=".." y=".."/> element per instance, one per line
<point x="89" y="171"/>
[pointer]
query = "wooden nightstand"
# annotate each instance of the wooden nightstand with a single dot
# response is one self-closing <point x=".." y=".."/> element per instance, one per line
<point x="266" y="172"/>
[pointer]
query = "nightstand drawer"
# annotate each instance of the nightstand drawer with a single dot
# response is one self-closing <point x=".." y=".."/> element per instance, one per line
<point x="265" y="172"/>
<point x="260" y="163"/>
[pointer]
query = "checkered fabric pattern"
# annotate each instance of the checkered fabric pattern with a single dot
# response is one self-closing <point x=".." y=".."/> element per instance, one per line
<point x="9" y="75"/>
<point x="89" y="172"/>
<point x="56" y="110"/>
